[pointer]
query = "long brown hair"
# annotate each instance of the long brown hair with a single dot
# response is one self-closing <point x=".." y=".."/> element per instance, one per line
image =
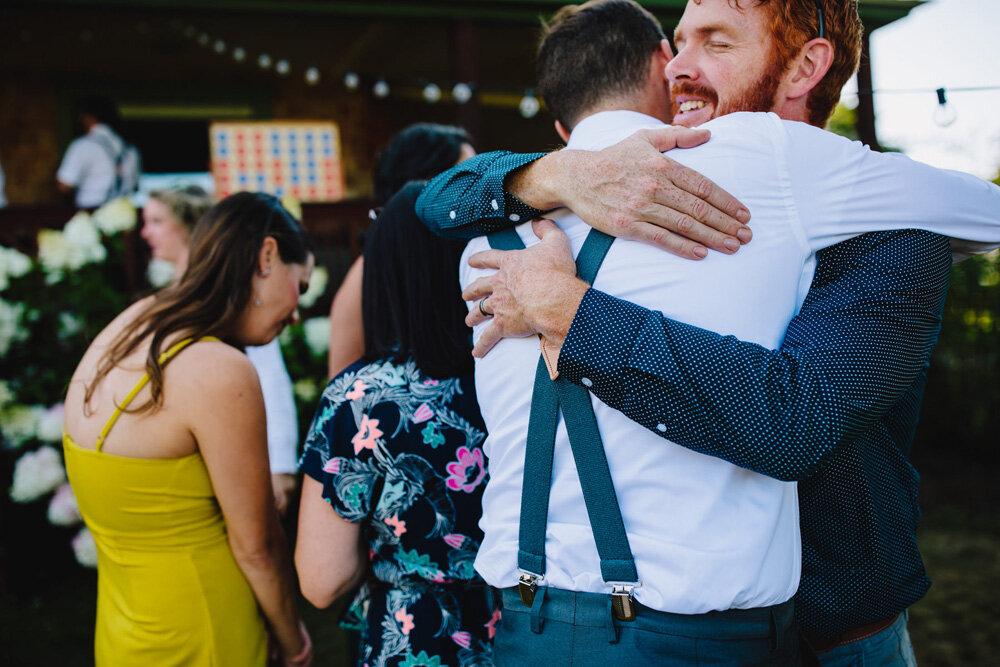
<point x="216" y="287"/>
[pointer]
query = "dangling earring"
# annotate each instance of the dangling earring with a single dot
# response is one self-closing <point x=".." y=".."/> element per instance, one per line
<point x="256" y="301"/>
<point x="264" y="273"/>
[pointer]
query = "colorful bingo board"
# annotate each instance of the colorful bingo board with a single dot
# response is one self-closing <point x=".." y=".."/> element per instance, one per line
<point x="297" y="158"/>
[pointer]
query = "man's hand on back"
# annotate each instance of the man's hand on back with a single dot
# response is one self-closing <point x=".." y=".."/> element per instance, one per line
<point x="533" y="291"/>
<point x="631" y="190"/>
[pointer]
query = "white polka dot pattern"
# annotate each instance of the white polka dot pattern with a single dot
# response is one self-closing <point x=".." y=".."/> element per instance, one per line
<point x="469" y="200"/>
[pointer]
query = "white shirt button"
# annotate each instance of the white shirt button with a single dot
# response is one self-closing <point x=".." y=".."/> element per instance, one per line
<point x="662" y="428"/>
<point x="586" y="382"/>
<point x="452" y="214"/>
<point x="495" y="205"/>
<point x="514" y="217"/>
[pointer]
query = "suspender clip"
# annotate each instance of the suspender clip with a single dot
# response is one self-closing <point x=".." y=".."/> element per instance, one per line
<point x="527" y="584"/>
<point x="622" y="601"/>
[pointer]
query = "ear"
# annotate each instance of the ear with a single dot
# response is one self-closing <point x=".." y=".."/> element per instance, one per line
<point x="561" y="131"/>
<point x="808" y="68"/>
<point x="666" y="50"/>
<point x="268" y="256"/>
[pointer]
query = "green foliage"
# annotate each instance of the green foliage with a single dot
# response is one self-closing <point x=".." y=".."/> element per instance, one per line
<point x="844" y="122"/>
<point x="962" y="392"/>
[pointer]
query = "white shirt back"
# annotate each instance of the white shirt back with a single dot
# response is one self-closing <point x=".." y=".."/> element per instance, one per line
<point x="706" y="535"/>
<point x="91" y="166"/>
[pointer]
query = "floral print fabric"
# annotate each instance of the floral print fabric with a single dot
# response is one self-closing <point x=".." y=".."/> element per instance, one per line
<point x="402" y="454"/>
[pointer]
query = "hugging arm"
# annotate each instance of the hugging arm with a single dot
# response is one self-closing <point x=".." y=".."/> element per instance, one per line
<point x="864" y="335"/>
<point x="629" y="190"/>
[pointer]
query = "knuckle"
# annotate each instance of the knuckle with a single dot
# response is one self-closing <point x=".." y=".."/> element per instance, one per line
<point x="703" y="187"/>
<point x="700" y="209"/>
<point x="685" y="224"/>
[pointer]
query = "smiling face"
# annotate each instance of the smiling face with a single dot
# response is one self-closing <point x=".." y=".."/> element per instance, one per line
<point x="725" y="62"/>
<point x="166" y="236"/>
<point x="274" y="302"/>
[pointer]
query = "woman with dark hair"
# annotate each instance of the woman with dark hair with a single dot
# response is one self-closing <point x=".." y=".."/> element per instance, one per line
<point x="165" y="449"/>
<point x="394" y="462"/>
<point x="417" y="153"/>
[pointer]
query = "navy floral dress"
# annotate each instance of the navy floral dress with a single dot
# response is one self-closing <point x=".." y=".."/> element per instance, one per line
<point x="402" y="454"/>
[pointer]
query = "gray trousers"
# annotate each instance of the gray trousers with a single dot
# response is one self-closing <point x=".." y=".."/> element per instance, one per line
<point x="578" y="630"/>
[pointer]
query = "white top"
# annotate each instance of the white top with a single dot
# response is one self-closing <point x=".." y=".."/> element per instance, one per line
<point x="279" y="406"/>
<point x="706" y="535"/>
<point x="89" y="166"/>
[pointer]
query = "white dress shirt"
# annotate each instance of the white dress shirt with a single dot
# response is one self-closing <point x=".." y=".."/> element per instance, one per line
<point x="90" y="166"/>
<point x="279" y="407"/>
<point x="706" y="534"/>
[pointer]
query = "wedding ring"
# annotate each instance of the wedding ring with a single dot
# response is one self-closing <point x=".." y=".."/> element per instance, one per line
<point x="482" y="307"/>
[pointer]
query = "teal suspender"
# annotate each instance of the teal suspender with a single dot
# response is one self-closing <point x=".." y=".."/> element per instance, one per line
<point x="549" y="398"/>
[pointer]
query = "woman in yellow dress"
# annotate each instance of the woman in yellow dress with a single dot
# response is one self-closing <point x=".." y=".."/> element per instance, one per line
<point x="166" y="452"/>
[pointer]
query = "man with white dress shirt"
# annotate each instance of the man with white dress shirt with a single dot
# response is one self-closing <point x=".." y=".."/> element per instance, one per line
<point x="717" y="548"/>
<point x="98" y="166"/>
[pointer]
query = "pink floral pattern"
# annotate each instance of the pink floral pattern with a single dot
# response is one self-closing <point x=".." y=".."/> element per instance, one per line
<point x="454" y="540"/>
<point x="333" y="466"/>
<point x="422" y="414"/>
<point x="406" y="620"/>
<point x="367" y="434"/>
<point x="462" y="638"/>
<point x="398" y="527"/>
<point x="357" y="391"/>
<point x="491" y="626"/>
<point x="468" y="471"/>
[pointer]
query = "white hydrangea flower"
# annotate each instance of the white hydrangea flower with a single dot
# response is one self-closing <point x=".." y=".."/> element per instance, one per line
<point x="84" y="548"/>
<point x="317" y="285"/>
<point x="11" y="331"/>
<point x="317" y="334"/>
<point x="63" y="510"/>
<point x="85" y="240"/>
<point x="306" y="390"/>
<point x="160" y="272"/>
<point x="13" y="264"/>
<point x="19" y="423"/>
<point x="69" y="324"/>
<point x="53" y="253"/>
<point x="36" y="473"/>
<point x="49" y="427"/>
<point x="78" y="244"/>
<point x="118" y="215"/>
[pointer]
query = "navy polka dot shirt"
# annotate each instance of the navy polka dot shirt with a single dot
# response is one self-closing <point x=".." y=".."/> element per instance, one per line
<point x="835" y="407"/>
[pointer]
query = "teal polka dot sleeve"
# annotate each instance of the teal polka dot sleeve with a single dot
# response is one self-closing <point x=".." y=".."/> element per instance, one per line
<point x="469" y="200"/>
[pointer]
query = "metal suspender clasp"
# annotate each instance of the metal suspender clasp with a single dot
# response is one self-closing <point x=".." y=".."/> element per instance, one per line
<point x="527" y="584"/>
<point x="622" y="601"/>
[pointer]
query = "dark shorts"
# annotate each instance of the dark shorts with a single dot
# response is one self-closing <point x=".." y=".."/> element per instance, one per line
<point x="576" y="629"/>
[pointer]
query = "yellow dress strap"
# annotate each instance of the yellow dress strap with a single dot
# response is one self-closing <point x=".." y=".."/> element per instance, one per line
<point x="164" y="358"/>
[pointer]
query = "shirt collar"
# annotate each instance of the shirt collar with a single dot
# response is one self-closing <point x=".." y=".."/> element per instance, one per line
<point x="594" y="131"/>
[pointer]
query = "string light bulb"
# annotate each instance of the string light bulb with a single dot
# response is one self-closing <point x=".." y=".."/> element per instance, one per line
<point x="264" y="61"/>
<point x="944" y="113"/>
<point x="461" y="92"/>
<point x="239" y="54"/>
<point x="219" y="46"/>
<point x="432" y="93"/>
<point x="282" y="67"/>
<point x="529" y="105"/>
<point x="380" y="89"/>
<point x="351" y="81"/>
<point x="312" y="76"/>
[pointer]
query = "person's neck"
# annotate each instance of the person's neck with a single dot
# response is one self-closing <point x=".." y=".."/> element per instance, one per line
<point x="180" y="266"/>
